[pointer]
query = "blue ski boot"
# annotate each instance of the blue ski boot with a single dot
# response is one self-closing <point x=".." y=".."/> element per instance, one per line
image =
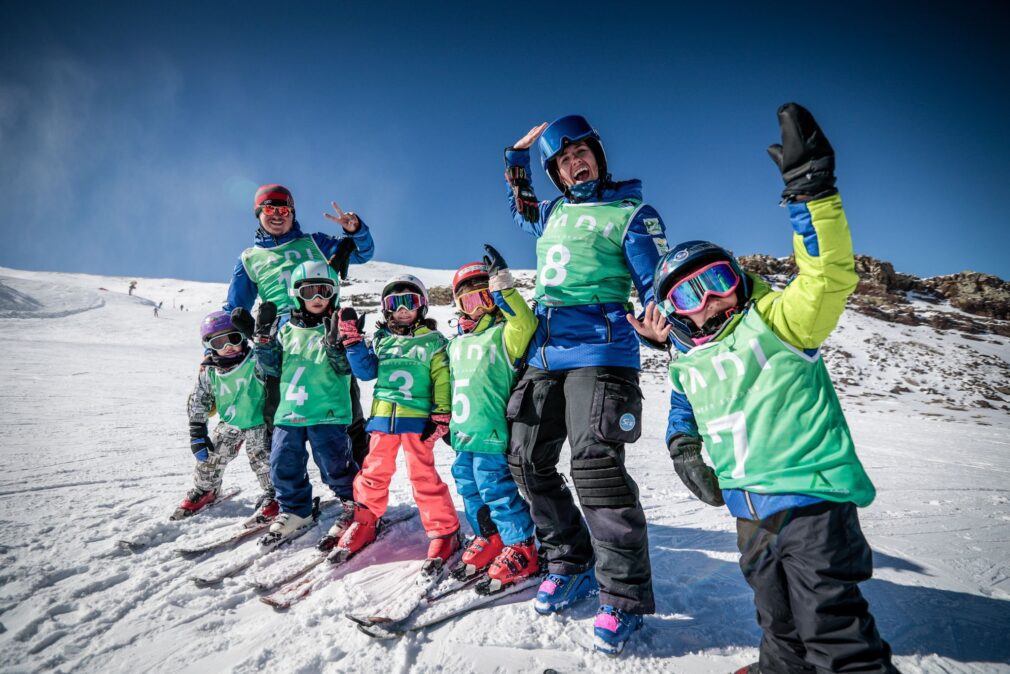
<point x="559" y="591"/>
<point x="613" y="628"/>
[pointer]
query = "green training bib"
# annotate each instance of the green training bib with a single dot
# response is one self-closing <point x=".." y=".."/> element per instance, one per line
<point x="238" y="394"/>
<point x="270" y="269"/>
<point x="580" y="255"/>
<point x="482" y="379"/>
<point x="770" y="417"/>
<point x="405" y="368"/>
<point x="311" y="392"/>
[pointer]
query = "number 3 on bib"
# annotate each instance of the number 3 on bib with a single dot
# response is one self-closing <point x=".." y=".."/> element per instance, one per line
<point x="736" y="424"/>
<point x="553" y="272"/>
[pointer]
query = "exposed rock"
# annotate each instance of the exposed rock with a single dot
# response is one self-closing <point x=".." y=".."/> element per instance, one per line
<point x="440" y="296"/>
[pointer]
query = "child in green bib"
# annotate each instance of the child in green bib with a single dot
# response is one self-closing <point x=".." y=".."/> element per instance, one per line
<point x="226" y="384"/>
<point x="751" y="386"/>
<point x="410" y="408"/>
<point x="315" y="401"/>
<point x="495" y="327"/>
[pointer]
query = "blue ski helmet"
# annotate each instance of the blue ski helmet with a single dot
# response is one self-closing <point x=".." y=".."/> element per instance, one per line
<point x="563" y="132"/>
<point x="680" y="261"/>
<point x="215" y="323"/>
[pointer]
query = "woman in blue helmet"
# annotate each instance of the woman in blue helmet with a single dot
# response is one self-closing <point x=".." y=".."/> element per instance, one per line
<point x="594" y="242"/>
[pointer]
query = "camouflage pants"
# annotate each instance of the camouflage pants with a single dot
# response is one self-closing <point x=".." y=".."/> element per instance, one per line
<point x="227" y="440"/>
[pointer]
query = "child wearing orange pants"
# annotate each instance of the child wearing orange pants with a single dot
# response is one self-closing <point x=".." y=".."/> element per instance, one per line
<point x="410" y="408"/>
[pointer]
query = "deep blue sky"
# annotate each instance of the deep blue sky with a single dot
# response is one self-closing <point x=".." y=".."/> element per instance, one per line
<point x="132" y="137"/>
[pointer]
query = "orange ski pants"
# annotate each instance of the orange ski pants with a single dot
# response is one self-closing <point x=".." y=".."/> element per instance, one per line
<point x="371" y="486"/>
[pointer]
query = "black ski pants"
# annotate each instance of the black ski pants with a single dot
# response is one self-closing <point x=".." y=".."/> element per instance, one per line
<point x="804" y="565"/>
<point x="598" y="409"/>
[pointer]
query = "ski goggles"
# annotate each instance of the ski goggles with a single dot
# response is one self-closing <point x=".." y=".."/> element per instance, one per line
<point x="282" y="211"/>
<point x="408" y="301"/>
<point x="469" y="303"/>
<point x="223" y="340"/>
<point x="311" y="291"/>
<point x="690" y="294"/>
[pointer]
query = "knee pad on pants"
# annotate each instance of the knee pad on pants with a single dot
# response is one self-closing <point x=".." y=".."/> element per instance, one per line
<point x="603" y="482"/>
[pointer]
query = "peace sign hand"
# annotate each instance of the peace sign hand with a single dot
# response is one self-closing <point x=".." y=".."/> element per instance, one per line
<point x="349" y="220"/>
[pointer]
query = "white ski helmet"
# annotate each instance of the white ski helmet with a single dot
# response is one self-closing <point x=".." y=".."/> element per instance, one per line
<point x="411" y="281"/>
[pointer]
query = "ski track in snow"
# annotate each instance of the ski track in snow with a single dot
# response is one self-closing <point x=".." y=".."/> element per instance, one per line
<point x="94" y="451"/>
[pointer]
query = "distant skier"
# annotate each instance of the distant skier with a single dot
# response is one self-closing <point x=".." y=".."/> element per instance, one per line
<point x="495" y="328"/>
<point x="316" y="405"/>
<point x="227" y="385"/>
<point x="593" y="244"/>
<point x="263" y="270"/>
<point x="133" y="286"/>
<point x="156" y="307"/>
<point x="750" y="384"/>
<point x="410" y="409"/>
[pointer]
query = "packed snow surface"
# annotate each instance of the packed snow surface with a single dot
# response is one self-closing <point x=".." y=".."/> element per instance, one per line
<point x="94" y="451"/>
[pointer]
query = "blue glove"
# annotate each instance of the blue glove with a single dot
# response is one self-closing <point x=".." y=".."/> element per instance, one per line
<point x="199" y="441"/>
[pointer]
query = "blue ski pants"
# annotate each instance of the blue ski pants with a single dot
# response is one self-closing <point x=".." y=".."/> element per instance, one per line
<point x="484" y="479"/>
<point x="289" y="460"/>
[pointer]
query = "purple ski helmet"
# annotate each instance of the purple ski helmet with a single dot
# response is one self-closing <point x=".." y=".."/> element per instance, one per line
<point x="216" y="322"/>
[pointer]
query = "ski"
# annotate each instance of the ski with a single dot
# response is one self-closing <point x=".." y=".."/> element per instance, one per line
<point x="144" y="541"/>
<point x="235" y="567"/>
<point x="300" y="583"/>
<point x="412" y="597"/>
<point x="232" y="536"/>
<point x="181" y="514"/>
<point x="443" y="612"/>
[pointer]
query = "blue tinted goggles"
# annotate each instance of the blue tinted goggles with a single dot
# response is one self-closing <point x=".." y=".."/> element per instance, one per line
<point x="408" y="301"/>
<point x="691" y="293"/>
<point x="570" y="129"/>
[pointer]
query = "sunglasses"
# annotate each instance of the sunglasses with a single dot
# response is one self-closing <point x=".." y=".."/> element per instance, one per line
<point x="219" y="342"/>
<point x="409" y="301"/>
<point x="469" y="303"/>
<point x="691" y="293"/>
<point x="311" y="291"/>
<point x="282" y="211"/>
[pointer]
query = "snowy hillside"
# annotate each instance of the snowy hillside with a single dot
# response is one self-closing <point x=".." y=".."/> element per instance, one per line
<point x="94" y="450"/>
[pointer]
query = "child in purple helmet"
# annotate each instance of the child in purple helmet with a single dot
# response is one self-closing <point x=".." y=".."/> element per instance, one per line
<point x="227" y="385"/>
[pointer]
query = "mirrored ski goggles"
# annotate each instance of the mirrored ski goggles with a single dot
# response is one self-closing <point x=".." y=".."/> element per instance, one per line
<point x="220" y="341"/>
<point x="408" y="301"/>
<point x="311" y="291"/>
<point x="282" y="211"/>
<point x="690" y="294"/>
<point x="469" y="303"/>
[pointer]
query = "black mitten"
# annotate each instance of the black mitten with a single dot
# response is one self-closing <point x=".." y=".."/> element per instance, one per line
<point x="805" y="157"/>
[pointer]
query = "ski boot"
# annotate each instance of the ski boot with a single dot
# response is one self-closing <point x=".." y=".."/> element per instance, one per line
<point x="515" y="562"/>
<point x="559" y="591"/>
<point x="440" y="550"/>
<point x="361" y="532"/>
<point x="265" y="510"/>
<point x="344" y="518"/>
<point x="287" y="526"/>
<point x="478" y="556"/>
<point x="613" y="628"/>
<point x="196" y="500"/>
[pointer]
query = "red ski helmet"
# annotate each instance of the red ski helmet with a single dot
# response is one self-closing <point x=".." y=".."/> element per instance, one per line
<point x="469" y="272"/>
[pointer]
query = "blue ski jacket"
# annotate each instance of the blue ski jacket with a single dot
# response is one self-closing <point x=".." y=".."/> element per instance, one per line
<point x="594" y="335"/>
<point x="242" y="292"/>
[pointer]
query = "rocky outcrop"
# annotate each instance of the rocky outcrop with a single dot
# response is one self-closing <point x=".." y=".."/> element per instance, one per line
<point x="888" y="295"/>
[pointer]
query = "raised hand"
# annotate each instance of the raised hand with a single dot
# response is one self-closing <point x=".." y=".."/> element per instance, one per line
<point x="349" y="220"/>
<point x="653" y="325"/>
<point x="350" y="326"/>
<point x="531" y="137"/>
<point x="340" y="261"/>
<point x="265" y="318"/>
<point x="805" y="157"/>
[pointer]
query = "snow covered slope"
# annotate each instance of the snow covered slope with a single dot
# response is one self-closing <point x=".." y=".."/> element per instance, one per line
<point x="94" y="449"/>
